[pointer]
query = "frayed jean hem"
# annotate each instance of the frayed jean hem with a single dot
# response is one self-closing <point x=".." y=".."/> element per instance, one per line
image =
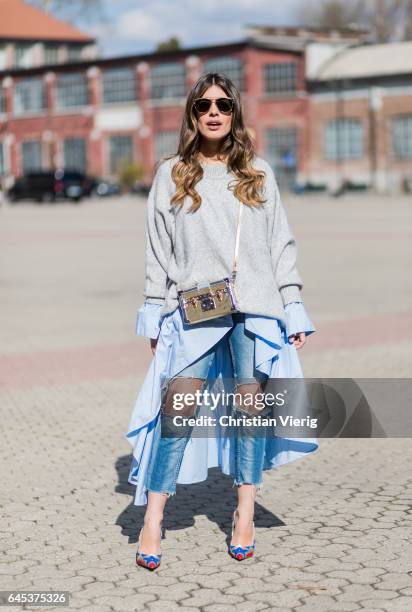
<point x="167" y="493"/>
<point x="258" y="486"/>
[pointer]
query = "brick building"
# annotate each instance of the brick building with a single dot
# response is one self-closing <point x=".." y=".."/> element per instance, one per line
<point x="93" y="114"/>
<point x="300" y="103"/>
<point x="29" y="37"/>
<point x="361" y="118"/>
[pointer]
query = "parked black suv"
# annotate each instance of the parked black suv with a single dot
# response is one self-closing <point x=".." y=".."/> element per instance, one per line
<point x="48" y="186"/>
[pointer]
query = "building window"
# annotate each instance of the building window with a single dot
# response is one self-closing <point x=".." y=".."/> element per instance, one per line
<point x="3" y="55"/>
<point x="2" y="100"/>
<point x="29" y="96"/>
<point x="120" y="152"/>
<point x="75" y="157"/>
<point x="282" y="146"/>
<point x="72" y="90"/>
<point x="166" y="143"/>
<point x="168" y="80"/>
<point x="74" y="53"/>
<point x="231" y="67"/>
<point x="343" y="139"/>
<point x="402" y="136"/>
<point x="22" y="55"/>
<point x="31" y="155"/>
<point x="280" y="77"/>
<point x="51" y="54"/>
<point x="119" y="85"/>
<point x="2" y="160"/>
<point x="282" y="154"/>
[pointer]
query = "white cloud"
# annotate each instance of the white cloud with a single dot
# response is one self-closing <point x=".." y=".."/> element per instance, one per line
<point x="139" y="24"/>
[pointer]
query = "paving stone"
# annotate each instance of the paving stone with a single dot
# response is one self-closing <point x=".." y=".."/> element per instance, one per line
<point x="317" y="603"/>
<point x="333" y="530"/>
<point x="401" y="603"/>
<point x="159" y="606"/>
<point x="247" y="606"/>
<point x="362" y="576"/>
<point x="283" y="598"/>
<point x="395" y="581"/>
<point x="174" y="592"/>
<point x="132" y="602"/>
<point x="357" y="592"/>
<point x="374" y="604"/>
<point x="407" y="592"/>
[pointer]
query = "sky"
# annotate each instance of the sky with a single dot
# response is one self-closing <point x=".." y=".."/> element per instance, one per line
<point x="134" y="27"/>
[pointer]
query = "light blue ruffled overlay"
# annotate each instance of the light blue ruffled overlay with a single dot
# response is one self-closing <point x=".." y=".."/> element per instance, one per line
<point x="177" y="347"/>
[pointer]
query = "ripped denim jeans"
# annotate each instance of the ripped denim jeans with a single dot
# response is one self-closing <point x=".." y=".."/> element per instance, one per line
<point x="167" y="451"/>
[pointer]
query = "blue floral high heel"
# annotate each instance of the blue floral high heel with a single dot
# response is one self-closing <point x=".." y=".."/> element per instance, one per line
<point x="150" y="562"/>
<point x="241" y="552"/>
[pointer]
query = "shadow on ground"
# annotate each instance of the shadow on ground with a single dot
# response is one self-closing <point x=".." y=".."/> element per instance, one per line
<point x="214" y="498"/>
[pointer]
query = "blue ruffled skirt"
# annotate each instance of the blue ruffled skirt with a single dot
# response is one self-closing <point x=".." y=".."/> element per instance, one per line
<point x="178" y="346"/>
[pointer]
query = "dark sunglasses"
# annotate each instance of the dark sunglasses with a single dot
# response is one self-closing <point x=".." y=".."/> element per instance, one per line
<point x="225" y="105"/>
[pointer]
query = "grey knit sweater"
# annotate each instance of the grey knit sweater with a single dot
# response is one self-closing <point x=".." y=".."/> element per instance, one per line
<point x="185" y="248"/>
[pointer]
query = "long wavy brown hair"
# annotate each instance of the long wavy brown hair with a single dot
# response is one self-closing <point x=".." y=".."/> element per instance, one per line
<point x="237" y="147"/>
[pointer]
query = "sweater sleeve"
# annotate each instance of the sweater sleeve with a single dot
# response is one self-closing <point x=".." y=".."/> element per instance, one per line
<point x="158" y="236"/>
<point x="283" y="246"/>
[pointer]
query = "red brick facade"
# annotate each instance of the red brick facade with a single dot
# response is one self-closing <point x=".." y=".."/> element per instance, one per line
<point x="96" y="122"/>
<point x="375" y="107"/>
<point x="296" y="118"/>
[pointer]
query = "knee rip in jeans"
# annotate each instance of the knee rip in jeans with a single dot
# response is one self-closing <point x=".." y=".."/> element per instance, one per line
<point x="178" y="396"/>
<point x="250" y="399"/>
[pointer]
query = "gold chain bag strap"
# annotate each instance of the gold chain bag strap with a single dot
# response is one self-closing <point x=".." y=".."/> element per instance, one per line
<point x="211" y="300"/>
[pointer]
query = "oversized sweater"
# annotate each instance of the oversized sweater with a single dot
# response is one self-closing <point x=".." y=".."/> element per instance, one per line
<point x="184" y="248"/>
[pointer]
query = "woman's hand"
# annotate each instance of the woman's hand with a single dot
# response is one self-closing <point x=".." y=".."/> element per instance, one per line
<point x="153" y="344"/>
<point x="298" y="339"/>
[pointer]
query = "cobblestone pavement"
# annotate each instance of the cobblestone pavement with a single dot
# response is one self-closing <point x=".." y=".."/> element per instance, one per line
<point x="333" y="529"/>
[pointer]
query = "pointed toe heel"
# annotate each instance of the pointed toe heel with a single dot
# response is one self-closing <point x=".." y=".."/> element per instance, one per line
<point x="150" y="562"/>
<point x="241" y="552"/>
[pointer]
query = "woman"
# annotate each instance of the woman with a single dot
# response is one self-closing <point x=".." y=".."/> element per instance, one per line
<point x="190" y="238"/>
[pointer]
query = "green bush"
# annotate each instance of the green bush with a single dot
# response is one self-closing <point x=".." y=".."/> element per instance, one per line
<point x="129" y="174"/>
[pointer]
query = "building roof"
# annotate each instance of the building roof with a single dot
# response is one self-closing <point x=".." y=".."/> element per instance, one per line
<point x="368" y="61"/>
<point x="19" y="20"/>
<point x="213" y="50"/>
<point x="308" y="33"/>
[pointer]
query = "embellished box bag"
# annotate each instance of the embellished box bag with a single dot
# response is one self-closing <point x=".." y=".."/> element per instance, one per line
<point x="210" y="300"/>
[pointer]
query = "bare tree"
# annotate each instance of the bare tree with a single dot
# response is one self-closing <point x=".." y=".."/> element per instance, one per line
<point x="387" y="20"/>
<point x="73" y="10"/>
<point x="334" y="14"/>
<point x="407" y="33"/>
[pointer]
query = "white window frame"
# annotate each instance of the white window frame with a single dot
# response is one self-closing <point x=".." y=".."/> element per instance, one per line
<point x="344" y="139"/>
<point x="29" y="97"/>
<point x="401" y="136"/>
<point x="280" y="77"/>
<point x="37" y="143"/>
<point x="230" y="66"/>
<point x="124" y="80"/>
<point x="65" y="84"/>
<point x="168" y="81"/>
